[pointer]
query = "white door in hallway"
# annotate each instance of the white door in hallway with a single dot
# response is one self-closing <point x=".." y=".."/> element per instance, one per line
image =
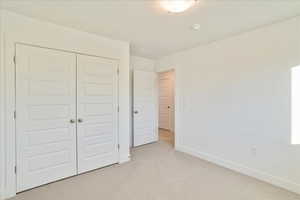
<point x="145" y="107"/>
<point x="166" y="100"/>
<point x="97" y="112"/>
<point x="46" y="114"/>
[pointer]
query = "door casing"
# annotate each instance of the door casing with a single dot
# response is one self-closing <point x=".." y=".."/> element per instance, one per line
<point x="19" y="29"/>
<point x="75" y="53"/>
<point x="167" y="111"/>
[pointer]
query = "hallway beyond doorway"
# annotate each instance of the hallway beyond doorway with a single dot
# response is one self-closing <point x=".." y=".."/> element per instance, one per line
<point x="166" y="136"/>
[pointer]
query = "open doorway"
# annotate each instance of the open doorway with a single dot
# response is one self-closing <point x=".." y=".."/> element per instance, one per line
<point x="166" y="121"/>
<point x="153" y="107"/>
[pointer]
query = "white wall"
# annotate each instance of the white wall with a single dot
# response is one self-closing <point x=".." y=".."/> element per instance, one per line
<point x="233" y="102"/>
<point x="1" y="109"/>
<point x="139" y="63"/>
<point x="18" y="28"/>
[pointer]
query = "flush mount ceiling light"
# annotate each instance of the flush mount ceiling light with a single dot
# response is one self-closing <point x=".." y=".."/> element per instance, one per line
<point x="177" y="6"/>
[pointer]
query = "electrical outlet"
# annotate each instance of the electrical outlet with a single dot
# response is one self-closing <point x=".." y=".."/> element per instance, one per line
<point x="254" y="151"/>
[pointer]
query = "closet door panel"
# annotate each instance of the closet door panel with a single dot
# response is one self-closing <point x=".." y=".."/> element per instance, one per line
<point x="97" y="112"/>
<point x="45" y="104"/>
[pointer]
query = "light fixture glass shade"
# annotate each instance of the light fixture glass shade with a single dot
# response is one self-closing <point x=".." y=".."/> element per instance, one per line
<point x="177" y="6"/>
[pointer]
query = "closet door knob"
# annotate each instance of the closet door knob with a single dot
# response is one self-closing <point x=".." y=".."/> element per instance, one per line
<point x="80" y="120"/>
<point x="72" y="121"/>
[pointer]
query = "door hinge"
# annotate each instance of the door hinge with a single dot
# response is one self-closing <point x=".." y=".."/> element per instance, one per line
<point x="15" y="115"/>
<point x="118" y="71"/>
<point x="118" y="146"/>
<point x="15" y="169"/>
<point x="15" y="59"/>
<point x="118" y="108"/>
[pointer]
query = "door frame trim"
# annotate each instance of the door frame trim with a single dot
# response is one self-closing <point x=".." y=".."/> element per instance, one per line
<point x="172" y="116"/>
<point x="76" y="61"/>
<point x="175" y="104"/>
<point x="66" y="51"/>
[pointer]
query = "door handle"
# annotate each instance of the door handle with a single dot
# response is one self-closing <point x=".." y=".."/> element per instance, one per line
<point x="80" y="120"/>
<point x="72" y="121"/>
<point x="136" y="112"/>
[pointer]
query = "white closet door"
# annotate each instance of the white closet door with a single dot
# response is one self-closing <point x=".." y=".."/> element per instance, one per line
<point x="166" y="100"/>
<point x="45" y="102"/>
<point x="145" y="108"/>
<point x="97" y="112"/>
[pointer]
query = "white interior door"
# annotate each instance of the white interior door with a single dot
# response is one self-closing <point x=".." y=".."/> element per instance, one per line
<point x="97" y="112"/>
<point x="145" y="107"/>
<point x="166" y="100"/>
<point x="45" y="103"/>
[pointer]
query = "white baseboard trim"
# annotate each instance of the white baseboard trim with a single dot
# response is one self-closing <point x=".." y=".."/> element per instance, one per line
<point x="6" y="194"/>
<point x="276" y="181"/>
<point x="124" y="159"/>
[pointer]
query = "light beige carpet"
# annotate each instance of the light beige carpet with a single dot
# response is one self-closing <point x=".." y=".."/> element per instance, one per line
<point x="157" y="172"/>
